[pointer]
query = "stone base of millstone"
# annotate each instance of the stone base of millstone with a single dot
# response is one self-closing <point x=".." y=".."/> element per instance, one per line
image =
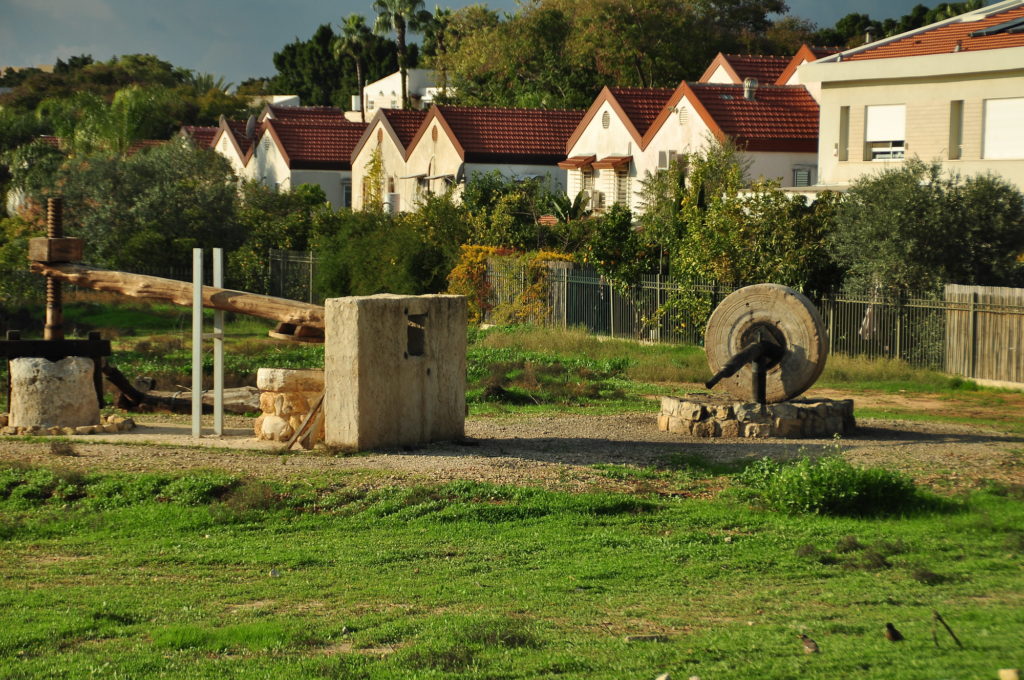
<point x="704" y="415"/>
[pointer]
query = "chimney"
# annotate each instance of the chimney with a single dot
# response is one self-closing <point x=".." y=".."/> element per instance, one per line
<point x="749" y="88"/>
<point x="867" y="36"/>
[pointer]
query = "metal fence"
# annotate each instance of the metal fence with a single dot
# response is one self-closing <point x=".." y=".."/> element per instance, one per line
<point x="915" y="329"/>
<point x="293" y="275"/>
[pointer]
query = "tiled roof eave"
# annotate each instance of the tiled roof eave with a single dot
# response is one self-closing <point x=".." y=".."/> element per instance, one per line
<point x="515" y="158"/>
<point x="320" y="165"/>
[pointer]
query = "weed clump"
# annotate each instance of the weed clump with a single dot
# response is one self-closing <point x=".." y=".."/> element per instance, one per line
<point x="927" y="576"/>
<point x="59" y="447"/>
<point x="831" y="486"/>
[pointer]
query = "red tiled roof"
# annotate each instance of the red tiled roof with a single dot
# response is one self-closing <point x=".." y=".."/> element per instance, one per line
<point x="404" y="123"/>
<point x="641" y="104"/>
<point x="533" y="136"/>
<point x="308" y="114"/>
<point x="202" y="135"/>
<point x="776" y="119"/>
<point x="323" y="146"/>
<point x="946" y="37"/>
<point x="766" y="69"/>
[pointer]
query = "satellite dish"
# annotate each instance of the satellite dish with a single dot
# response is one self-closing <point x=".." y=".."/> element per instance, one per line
<point x="250" y="127"/>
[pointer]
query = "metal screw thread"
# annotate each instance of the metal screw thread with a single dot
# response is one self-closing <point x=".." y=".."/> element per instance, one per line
<point x="54" y="328"/>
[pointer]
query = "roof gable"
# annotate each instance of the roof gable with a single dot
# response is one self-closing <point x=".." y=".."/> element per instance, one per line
<point x="323" y="146"/>
<point x="805" y="54"/>
<point x="506" y="135"/>
<point x="400" y="125"/>
<point x="766" y="69"/>
<point x="638" y="108"/>
<point x="777" y="118"/>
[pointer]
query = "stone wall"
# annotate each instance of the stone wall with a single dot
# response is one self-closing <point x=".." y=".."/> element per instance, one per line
<point x="703" y="415"/>
<point x="48" y="394"/>
<point x="286" y="397"/>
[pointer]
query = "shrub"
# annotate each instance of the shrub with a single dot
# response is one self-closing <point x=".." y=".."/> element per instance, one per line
<point x="831" y="486"/>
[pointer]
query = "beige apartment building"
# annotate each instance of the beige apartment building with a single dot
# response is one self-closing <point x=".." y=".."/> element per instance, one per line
<point x="952" y="91"/>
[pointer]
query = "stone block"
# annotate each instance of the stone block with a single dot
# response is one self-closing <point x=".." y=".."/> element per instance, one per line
<point x="815" y="426"/>
<point x="834" y="424"/>
<point x="669" y="405"/>
<point x="289" y="380"/>
<point x="689" y="410"/>
<point x="395" y="370"/>
<point x="678" y="425"/>
<point x="9" y="430"/>
<point x="85" y="429"/>
<point x="722" y="411"/>
<point x="783" y="410"/>
<point x="757" y="430"/>
<point x="663" y="419"/>
<point x="53" y="393"/>
<point x="275" y="428"/>
<point x="3" y="420"/>
<point x="705" y="428"/>
<point x="110" y="427"/>
<point x="789" y="427"/>
<point x="730" y="428"/>
<point x="749" y="413"/>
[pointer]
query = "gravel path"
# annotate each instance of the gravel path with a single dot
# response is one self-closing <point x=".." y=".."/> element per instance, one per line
<point x="554" y="451"/>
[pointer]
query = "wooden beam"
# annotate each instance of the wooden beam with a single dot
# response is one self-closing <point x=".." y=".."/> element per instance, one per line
<point x="180" y="293"/>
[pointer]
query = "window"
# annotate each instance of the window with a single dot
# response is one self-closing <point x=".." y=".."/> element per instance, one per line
<point x="622" y="187"/>
<point x="346" y="194"/>
<point x="588" y="181"/>
<point x="885" y="129"/>
<point x="803" y="176"/>
<point x="843" y="147"/>
<point x="1002" y="138"/>
<point x="956" y="129"/>
<point x="665" y="159"/>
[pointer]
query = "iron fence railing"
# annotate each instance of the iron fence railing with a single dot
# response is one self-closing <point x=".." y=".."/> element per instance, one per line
<point x="293" y="275"/>
<point x="914" y="329"/>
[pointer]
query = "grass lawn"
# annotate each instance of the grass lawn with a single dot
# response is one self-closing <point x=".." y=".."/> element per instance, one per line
<point x="203" y="576"/>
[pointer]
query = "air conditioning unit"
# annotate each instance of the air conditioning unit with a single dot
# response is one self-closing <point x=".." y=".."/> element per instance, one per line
<point x="391" y="203"/>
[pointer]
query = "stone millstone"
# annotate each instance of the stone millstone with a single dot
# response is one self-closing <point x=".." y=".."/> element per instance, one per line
<point x="782" y="313"/>
<point x="48" y="393"/>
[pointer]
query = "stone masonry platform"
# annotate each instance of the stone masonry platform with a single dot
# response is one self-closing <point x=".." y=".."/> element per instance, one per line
<point x="706" y="415"/>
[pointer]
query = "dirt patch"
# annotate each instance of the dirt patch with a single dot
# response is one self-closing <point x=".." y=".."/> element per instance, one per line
<point x="552" y="451"/>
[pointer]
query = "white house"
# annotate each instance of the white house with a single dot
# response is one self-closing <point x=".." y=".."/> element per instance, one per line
<point x="629" y="133"/>
<point x="386" y="93"/>
<point x="733" y="69"/>
<point x="293" y="152"/>
<point x="387" y="136"/>
<point x="952" y="91"/>
<point x="454" y="143"/>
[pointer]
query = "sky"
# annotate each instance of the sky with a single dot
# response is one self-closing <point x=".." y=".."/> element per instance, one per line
<point x="236" y="39"/>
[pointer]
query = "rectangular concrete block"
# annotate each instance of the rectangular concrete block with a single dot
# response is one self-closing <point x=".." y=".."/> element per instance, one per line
<point x="394" y="370"/>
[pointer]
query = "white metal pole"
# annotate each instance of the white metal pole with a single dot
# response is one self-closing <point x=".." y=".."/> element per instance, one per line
<point x="197" y="341"/>
<point x="218" y="347"/>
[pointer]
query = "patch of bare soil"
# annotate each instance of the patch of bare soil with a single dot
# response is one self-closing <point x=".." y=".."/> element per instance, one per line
<point x="553" y="451"/>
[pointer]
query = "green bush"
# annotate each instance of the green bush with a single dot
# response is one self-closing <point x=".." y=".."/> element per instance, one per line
<point x="831" y="486"/>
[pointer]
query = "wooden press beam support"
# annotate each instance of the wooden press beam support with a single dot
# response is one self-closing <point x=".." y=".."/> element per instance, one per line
<point x="180" y="293"/>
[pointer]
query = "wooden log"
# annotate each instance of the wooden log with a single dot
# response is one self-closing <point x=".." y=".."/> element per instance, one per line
<point x="180" y="293"/>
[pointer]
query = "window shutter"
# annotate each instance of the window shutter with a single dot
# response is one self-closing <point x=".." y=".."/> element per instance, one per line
<point x="1003" y="138"/>
<point x="886" y="123"/>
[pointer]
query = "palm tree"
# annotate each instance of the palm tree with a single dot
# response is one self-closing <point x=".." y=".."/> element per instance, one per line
<point x="355" y="42"/>
<point x="435" y="33"/>
<point x="400" y="16"/>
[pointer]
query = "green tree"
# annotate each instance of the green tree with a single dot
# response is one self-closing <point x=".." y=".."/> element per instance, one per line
<point x="279" y="220"/>
<point x="436" y="41"/>
<point x="399" y="17"/>
<point x="913" y="228"/>
<point x="150" y="209"/>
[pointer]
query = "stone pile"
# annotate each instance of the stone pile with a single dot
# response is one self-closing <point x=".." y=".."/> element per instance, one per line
<point x="110" y="424"/>
<point x="702" y="415"/>
<point x="286" y="397"/>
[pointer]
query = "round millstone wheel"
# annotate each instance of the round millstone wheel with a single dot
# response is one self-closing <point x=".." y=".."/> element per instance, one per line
<point x="768" y="311"/>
